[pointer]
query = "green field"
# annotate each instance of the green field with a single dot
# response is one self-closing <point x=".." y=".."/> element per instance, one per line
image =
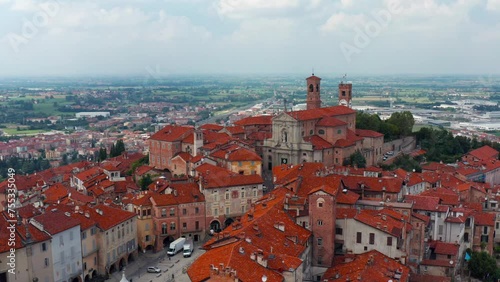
<point x="14" y="131"/>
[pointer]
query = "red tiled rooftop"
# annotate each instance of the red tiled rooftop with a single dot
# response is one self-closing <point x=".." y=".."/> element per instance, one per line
<point x="321" y="113"/>
<point x="171" y="133"/>
<point x="255" y="120"/>
<point x="330" y="122"/>
<point x="211" y="126"/>
<point x="484" y="153"/>
<point x="368" y="133"/>
<point x="54" y="221"/>
<point x="371" y="266"/>
<point x="318" y="142"/>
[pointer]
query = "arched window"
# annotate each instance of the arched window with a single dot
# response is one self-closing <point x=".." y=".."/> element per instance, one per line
<point x="317" y="87"/>
<point x="311" y="88"/>
<point x="164" y="228"/>
<point x="321" y="131"/>
<point x="320" y="202"/>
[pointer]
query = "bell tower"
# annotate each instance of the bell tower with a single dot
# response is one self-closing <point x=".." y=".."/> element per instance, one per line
<point x="345" y="94"/>
<point x="313" y="92"/>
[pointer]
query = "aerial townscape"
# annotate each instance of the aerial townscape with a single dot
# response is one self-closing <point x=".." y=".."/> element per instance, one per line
<point x="249" y="141"/>
<point x="296" y="195"/>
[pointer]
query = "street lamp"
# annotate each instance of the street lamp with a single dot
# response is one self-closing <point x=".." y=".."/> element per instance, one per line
<point x="264" y="278"/>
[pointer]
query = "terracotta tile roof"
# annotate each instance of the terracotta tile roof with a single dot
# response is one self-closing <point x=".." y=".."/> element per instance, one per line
<point x="189" y="139"/>
<point x="143" y="169"/>
<point x="143" y="198"/>
<point x="347" y="198"/>
<point x="424" y="203"/>
<point x="216" y="177"/>
<point x="446" y="198"/>
<point x="468" y="171"/>
<point x="433" y="166"/>
<point x="110" y="216"/>
<point x="187" y="193"/>
<point x="318" y="142"/>
<point x="258" y="233"/>
<point x="55" y="193"/>
<point x="185" y="156"/>
<point x="378" y="220"/>
<point x="24" y="182"/>
<point x="236" y="153"/>
<point x="285" y="173"/>
<point x="109" y="166"/>
<point x="36" y="234"/>
<point x="216" y="137"/>
<point x="443" y="248"/>
<point x="172" y="133"/>
<point x="80" y="197"/>
<point x="255" y="120"/>
<point x="351" y="136"/>
<point x="211" y="126"/>
<point x="424" y="218"/>
<point x="346" y="213"/>
<point x="484" y="219"/>
<point x="89" y="173"/>
<point x="78" y="213"/>
<point x="417" y="153"/>
<point x="343" y="143"/>
<point x="321" y="112"/>
<point x="237" y="129"/>
<point x="125" y="160"/>
<point x="330" y="122"/>
<point x="55" y="221"/>
<point x="354" y="182"/>
<point x="197" y="158"/>
<point x="371" y="266"/>
<point x="27" y="211"/>
<point x="230" y="256"/>
<point x="5" y="236"/>
<point x="368" y="133"/>
<point x="484" y="153"/>
<point x="163" y="200"/>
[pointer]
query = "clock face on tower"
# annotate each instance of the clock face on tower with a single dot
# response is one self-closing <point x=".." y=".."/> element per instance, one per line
<point x="343" y="102"/>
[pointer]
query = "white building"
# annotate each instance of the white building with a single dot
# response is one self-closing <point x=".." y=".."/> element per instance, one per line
<point x="66" y="244"/>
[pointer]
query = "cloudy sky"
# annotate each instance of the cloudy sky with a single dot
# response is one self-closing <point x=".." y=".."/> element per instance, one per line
<point x="133" y="37"/>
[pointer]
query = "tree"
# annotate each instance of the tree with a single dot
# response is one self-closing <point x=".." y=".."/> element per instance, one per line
<point x="119" y="147"/>
<point x="403" y="121"/>
<point x="483" y="266"/>
<point x="102" y="154"/>
<point x="357" y="159"/>
<point x="145" y="181"/>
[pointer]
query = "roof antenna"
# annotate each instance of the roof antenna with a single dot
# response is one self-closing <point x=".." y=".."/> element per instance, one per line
<point x="313" y="71"/>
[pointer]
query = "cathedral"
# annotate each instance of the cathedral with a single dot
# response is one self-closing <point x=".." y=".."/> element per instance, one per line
<point x="320" y="134"/>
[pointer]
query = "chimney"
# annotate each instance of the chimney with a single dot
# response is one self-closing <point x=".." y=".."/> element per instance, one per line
<point x="252" y="256"/>
<point x="261" y="260"/>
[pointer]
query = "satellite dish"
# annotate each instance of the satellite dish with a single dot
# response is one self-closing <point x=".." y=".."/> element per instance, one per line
<point x="451" y="262"/>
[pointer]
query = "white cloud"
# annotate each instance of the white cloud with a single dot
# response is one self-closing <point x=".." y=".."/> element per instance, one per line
<point x="241" y="9"/>
<point x="343" y="22"/>
<point x="493" y="5"/>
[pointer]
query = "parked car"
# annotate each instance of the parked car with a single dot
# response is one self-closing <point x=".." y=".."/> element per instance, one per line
<point x="154" y="269"/>
<point x="390" y="153"/>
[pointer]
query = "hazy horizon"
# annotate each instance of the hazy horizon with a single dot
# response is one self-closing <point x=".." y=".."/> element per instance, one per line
<point x="162" y="38"/>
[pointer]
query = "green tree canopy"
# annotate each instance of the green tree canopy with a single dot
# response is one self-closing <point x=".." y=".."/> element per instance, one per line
<point x="484" y="267"/>
<point x="356" y="159"/>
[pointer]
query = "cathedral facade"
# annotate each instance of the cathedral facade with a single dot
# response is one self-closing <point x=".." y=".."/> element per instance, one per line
<point x="320" y="134"/>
